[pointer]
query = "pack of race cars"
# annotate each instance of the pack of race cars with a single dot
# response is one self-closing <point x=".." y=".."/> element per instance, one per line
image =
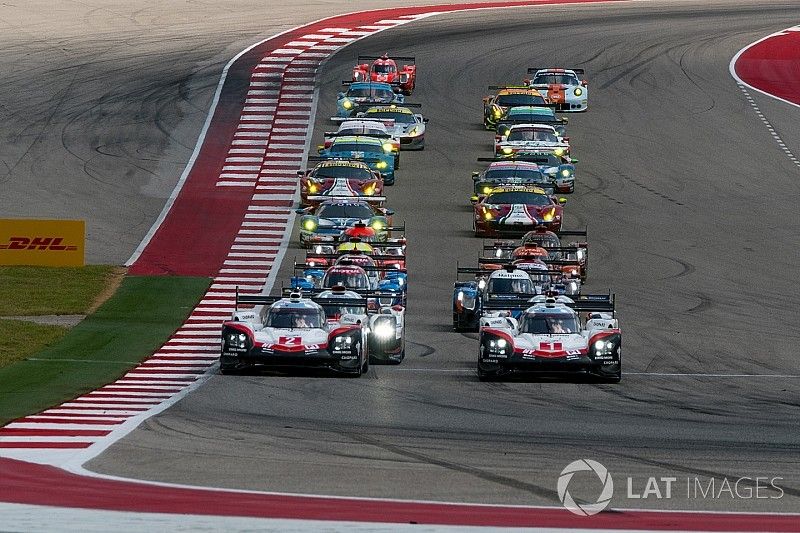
<point x="345" y="305"/>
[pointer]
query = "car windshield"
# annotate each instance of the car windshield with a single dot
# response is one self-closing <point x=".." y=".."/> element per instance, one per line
<point x="366" y="148"/>
<point x="542" y="324"/>
<point x="335" y="311"/>
<point x="373" y="93"/>
<point x="530" y="134"/>
<point x="359" y="211"/>
<point x="383" y="68"/>
<point x="508" y="100"/>
<point x="545" y="160"/>
<point x="512" y="173"/>
<point x="555" y="79"/>
<point x="294" y="317"/>
<point x="509" y="286"/>
<point x="349" y="172"/>
<point x="544" y="240"/>
<point x="351" y="279"/>
<point x="518" y="197"/>
<point x="402" y="118"/>
<point x="361" y="131"/>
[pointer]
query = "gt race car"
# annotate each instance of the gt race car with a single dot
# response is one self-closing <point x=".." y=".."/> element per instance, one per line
<point x="296" y="332"/>
<point x="527" y="137"/>
<point x="329" y="221"/>
<point x="494" y="107"/>
<point x="356" y="127"/>
<point x="405" y="125"/>
<point x="502" y="173"/>
<point x="361" y="95"/>
<point x="562" y="87"/>
<point x="340" y="178"/>
<point x="542" y="114"/>
<point x="550" y="336"/>
<point x="515" y="210"/>
<point x="557" y="170"/>
<point x="402" y="78"/>
<point x="379" y="154"/>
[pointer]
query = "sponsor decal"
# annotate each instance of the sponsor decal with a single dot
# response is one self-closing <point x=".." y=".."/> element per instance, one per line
<point x="42" y="242"/>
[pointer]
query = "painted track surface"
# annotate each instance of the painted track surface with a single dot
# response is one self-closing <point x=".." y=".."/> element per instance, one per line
<point x="772" y="65"/>
<point x="668" y="155"/>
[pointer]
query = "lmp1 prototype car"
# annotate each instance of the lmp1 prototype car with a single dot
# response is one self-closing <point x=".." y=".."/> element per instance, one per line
<point x="551" y="337"/>
<point x="570" y="259"/>
<point x="385" y="69"/>
<point x="340" y="178"/>
<point x="494" y="107"/>
<point x="297" y="332"/>
<point x="361" y="95"/>
<point x="379" y="154"/>
<point x="330" y="220"/>
<point x="527" y="137"/>
<point x="515" y="210"/>
<point x="562" y="87"/>
<point x="404" y="125"/>
<point x="551" y="172"/>
<point x="531" y="115"/>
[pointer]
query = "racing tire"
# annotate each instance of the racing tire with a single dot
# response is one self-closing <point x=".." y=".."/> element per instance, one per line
<point x="365" y="366"/>
<point x="397" y="161"/>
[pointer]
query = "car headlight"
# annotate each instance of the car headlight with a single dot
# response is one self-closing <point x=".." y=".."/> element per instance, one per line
<point x="309" y="225"/>
<point x="578" y="91"/>
<point x="549" y="216"/>
<point x="580" y="254"/>
<point x="497" y="112"/>
<point x="347" y="104"/>
<point x="369" y="190"/>
<point x="237" y="340"/>
<point x="482" y="284"/>
<point x="507" y="151"/>
<point x="313" y="188"/>
<point x="487" y="190"/>
<point x="604" y="347"/>
<point x="384" y="330"/>
<point x="413" y="132"/>
<point x="488" y="215"/>
<point x="498" y="346"/>
<point x="388" y="148"/>
<point x="342" y="344"/>
<point x="559" y="151"/>
<point x="377" y="225"/>
<point x="381" y="165"/>
<point x="566" y="173"/>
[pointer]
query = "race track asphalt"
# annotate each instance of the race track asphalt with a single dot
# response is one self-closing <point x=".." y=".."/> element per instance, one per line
<point x="691" y="208"/>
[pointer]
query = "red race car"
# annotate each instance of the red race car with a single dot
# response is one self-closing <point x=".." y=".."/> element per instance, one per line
<point x="385" y="69"/>
<point x="515" y="210"/>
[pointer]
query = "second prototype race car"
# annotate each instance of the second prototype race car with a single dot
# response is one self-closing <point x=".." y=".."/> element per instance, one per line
<point x="494" y="107"/>
<point x="562" y="87"/>
<point x="403" y="77"/>
<point x="515" y="210"/>
<point x="551" y="336"/>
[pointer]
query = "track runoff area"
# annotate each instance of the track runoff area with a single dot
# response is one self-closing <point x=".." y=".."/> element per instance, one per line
<point x="43" y="453"/>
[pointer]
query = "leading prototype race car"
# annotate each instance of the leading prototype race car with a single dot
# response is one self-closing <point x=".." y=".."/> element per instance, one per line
<point x="551" y="337"/>
<point x="296" y="332"/>
<point x="494" y="107"/>
<point x="340" y="178"/>
<point x="405" y="125"/>
<point x="361" y="95"/>
<point x="403" y="78"/>
<point x="328" y="221"/>
<point x="562" y="87"/>
<point x="515" y="210"/>
<point x="379" y="154"/>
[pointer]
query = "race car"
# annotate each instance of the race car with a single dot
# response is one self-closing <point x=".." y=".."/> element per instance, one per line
<point x="551" y="336"/>
<point x="515" y="210"/>
<point x="379" y="154"/>
<point x="497" y="285"/>
<point x="390" y="253"/>
<point x="570" y="260"/>
<point x="494" y="107"/>
<point x="385" y="69"/>
<point x="340" y="178"/>
<point x="526" y="137"/>
<point x="553" y="242"/>
<point x="328" y="221"/>
<point x="532" y="115"/>
<point x="407" y="127"/>
<point x="355" y="272"/>
<point x="296" y="332"/>
<point x="562" y="87"/>
<point x="554" y="174"/>
<point x="361" y="95"/>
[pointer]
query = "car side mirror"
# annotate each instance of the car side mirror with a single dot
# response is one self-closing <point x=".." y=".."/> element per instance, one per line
<point x="573" y="161"/>
<point x="485" y="99"/>
<point x="564" y="120"/>
<point x="475" y="173"/>
<point x="320" y="148"/>
<point x="340" y="95"/>
<point x="425" y="120"/>
<point x="300" y="211"/>
<point x="388" y="212"/>
<point x="300" y="173"/>
<point x="562" y="200"/>
<point x="584" y="83"/>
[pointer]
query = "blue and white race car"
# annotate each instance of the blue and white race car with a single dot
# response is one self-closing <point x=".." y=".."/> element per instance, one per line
<point x="362" y="95"/>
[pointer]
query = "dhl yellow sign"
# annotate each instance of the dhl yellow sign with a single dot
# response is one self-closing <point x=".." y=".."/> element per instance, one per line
<point x="42" y="242"/>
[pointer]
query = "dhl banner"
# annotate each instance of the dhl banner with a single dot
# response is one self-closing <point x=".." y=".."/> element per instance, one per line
<point x="42" y="242"/>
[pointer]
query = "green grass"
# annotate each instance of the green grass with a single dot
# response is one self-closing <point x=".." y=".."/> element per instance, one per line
<point x="27" y="290"/>
<point x="19" y="339"/>
<point x="126" y="329"/>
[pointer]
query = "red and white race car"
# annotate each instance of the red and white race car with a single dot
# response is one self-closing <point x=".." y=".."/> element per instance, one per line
<point x="515" y="210"/>
<point x="385" y="69"/>
<point x="340" y="178"/>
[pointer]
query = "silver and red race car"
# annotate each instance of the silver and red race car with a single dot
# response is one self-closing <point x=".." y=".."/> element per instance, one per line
<point x="553" y="335"/>
<point x="562" y="87"/>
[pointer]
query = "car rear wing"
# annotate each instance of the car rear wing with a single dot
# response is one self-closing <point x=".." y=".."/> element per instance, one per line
<point x="396" y="58"/>
<point x="364" y="159"/>
<point x="501" y="87"/>
<point x="534" y="70"/>
<point x="506" y="122"/>
<point x="388" y="122"/>
<point x="514" y="246"/>
<point x="370" y="199"/>
<point x="507" y="261"/>
<point x="366" y="268"/>
<point x="585" y="303"/>
<point x="334" y="134"/>
<point x="363" y="302"/>
<point x="375" y="257"/>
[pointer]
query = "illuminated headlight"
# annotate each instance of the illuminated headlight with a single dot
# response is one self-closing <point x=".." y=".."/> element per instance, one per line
<point x="237" y="340"/>
<point x="572" y="288"/>
<point x="549" y="216"/>
<point x="497" y="112"/>
<point x="343" y="343"/>
<point x="381" y="165"/>
<point x="313" y="188"/>
<point x="498" y="252"/>
<point x="347" y="104"/>
<point x="559" y="152"/>
<point x="388" y="147"/>
<point x="578" y="91"/>
<point x="488" y="215"/>
<point x="309" y="225"/>
<point x="377" y="225"/>
<point x="603" y="347"/>
<point x="413" y="132"/>
<point x="384" y="330"/>
<point x="369" y="190"/>
<point x="566" y="173"/>
<point x="498" y="346"/>
<point x="487" y="190"/>
<point x="482" y="284"/>
<point x="507" y="151"/>
<point x="580" y="254"/>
